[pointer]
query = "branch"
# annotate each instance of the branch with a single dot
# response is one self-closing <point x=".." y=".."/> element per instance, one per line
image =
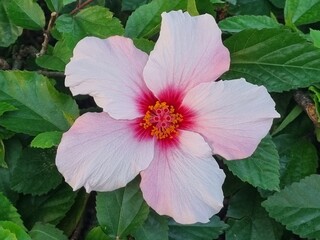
<point x="86" y="221"/>
<point x="52" y="74"/>
<point x="80" y="6"/>
<point x="46" y="34"/>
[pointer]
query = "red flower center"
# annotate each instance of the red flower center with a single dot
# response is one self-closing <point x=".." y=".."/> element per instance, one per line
<point x="162" y="120"/>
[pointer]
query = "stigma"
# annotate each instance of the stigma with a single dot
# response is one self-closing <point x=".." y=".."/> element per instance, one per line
<point x="162" y="120"/>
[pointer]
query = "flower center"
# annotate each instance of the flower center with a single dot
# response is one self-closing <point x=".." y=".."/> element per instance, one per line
<point x="162" y="120"/>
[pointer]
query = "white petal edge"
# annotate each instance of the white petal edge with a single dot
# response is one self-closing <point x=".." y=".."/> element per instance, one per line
<point x="102" y="154"/>
<point x="189" y="51"/>
<point x="109" y="70"/>
<point x="233" y="116"/>
<point x="184" y="182"/>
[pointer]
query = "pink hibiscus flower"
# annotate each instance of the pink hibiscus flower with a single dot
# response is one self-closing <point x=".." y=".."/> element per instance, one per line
<point x="164" y="115"/>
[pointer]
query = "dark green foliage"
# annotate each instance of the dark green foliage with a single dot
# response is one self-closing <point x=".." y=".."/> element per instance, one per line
<point x="271" y="195"/>
<point x="122" y="211"/>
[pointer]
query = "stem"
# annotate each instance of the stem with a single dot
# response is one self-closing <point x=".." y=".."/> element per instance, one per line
<point x="83" y="214"/>
<point x="192" y="8"/>
<point x="46" y="34"/>
<point x="52" y="74"/>
<point x="77" y="232"/>
<point x="80" y="6"/>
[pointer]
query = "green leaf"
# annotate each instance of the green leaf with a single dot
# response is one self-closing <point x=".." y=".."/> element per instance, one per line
<point x="32" y="167"/>
<point x="60" y="56"/>
<point x="298" y="12"/>
<point x="232" y="184"/>
<point x="315" y="37"/>
<point x="5" y="133"/>
<point x="298" y="207"/>
<point x="66" y="2"/>
<point x="54" y="5"/>
<point x="300" y="126"/>
<point x="294" y="113"/>
<point x="314" y="93"/>
<point x="261" y="169"/>
<point x="92" y="21"/>
<point x="41" y="231"/>
<point x="13" y="151"/>
<point x="6" y="107"/>
<point x="145" y="21"/>
<point x="216" y="1"/>
<point x="40" y="107"/>
<point x="207" y="6"/>
<point x="197" y="231"/>
<point x="69" y="223"/>
<point x="97" y="233"/>
<point x="192" y="8"/>
<point x="250" y="7"/>
<point x="9" y="32"/>
<point x="7" y="234"/>
<point x="46" y="140"/>
<point x="248" y="220"/>
<point x="8" y="212"/>
<point x="17" y="230"/>
<point x="252" y="229"/>
<point x="48" y="208"/>
<point x="276" y="58"/>
<point x="239" y="23"/>
<point x="278" y="3"/>
<point x="144" y="44"/>
<point x="130" y="5"/>
<point x="155" y="228"/>
<point x="298" y="158"/>
<point x="122" y="211"/>
<point x="3" y="163"/>
<point x="233" y="2"/>
<point x="26" y="13"/>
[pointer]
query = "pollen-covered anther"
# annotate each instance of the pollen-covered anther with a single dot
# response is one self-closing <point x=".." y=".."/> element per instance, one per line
<point x="162" y="120"/>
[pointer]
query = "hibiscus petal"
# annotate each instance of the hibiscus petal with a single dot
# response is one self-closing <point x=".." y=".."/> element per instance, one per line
<point x="189" y="51"/>
<point x="184" y="181"/>
<point x="233" y="116"/>
<point x="101" y="153"/>
<point x="110" y="70"/>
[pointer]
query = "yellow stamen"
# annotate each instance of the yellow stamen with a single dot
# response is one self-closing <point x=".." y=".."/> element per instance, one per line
<point x="162" y="120"/>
